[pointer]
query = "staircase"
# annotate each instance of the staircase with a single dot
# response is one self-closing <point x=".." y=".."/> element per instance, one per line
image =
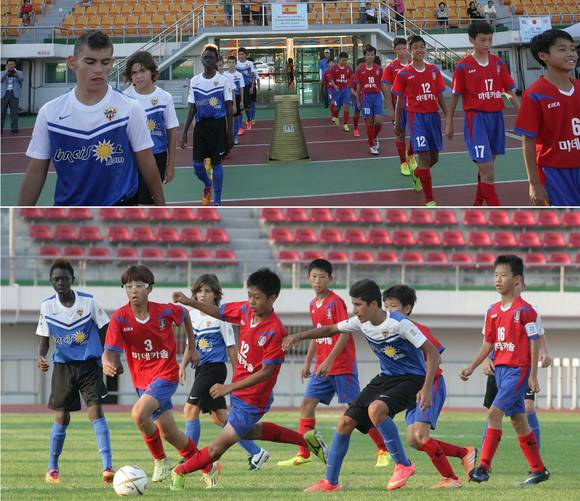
<point x="52" y="17"/>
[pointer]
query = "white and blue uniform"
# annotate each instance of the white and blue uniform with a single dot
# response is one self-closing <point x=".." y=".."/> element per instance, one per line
<point x="247" y="70"/>
<point x="210" y="95"/>
<point x="238" y="80"/>
<point x="212" y="337"/>
<point x="92" y="147"/>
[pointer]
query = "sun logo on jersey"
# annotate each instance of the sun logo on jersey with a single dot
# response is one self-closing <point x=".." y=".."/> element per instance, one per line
<point x="154" y="101"/>
<point x="103" y="151"/>
<point x="80" y="337"/>
<point x="151" y="124"/>
<point x="390" y="351"/>
<point x="213" y="101"/>
<point x="204" y="344"/>
<point x="110" y="113"/>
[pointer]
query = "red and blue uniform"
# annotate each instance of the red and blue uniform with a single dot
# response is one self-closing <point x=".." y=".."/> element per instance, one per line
<point x="552" y="118"/>
<point x="389" y="75"/>
<point x="341" y="77"/>
<point x="371" y="94"/>
<point x="327" y="78"/>
<point x="482" y="88"/>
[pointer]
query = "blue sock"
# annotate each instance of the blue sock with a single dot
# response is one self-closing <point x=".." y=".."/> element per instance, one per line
<point x="201" y="173"/>
<point x="103" y="442"/>
<point x="57" y="436"/>
<point x="250" y="447"/>
<point x="218" y="181"/>
<point x="336" y="454"/>
<point x="535" y="426"/>
<point x="484" y="432"/>
<point x="193" y="430"/>
<point x="390" y="434"/>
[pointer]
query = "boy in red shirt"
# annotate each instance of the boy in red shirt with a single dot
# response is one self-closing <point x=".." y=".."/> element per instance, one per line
<point x="328" y="87"/>
<point x="341" y="75"/>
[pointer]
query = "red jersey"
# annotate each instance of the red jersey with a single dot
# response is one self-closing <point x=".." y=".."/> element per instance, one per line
<point x="327" y="77"/>
<point x="149" y="346"/>
<point x="391" y="71"/>
<point x="369" y="78"/>
<point x="341" y="76"/>
<point x="258" y="344"/>
<point x="509" y="331"/>
<point x="434" y="341"/>
<point x="331" y="311"/>
<point x="553" y="119"/>
<point x="482" y="87"/>
<point x="421" y="89"/>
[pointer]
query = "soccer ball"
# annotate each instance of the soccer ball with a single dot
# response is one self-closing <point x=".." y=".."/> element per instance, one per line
<point x="130" y="481"/>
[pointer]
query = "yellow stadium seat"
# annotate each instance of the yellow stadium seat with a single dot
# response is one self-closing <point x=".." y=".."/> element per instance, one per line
<point x="93" y="22"/>
<point x="115" y="9"/>
<point x="170" y="19"/>
<point x="12" y="27"/>
<point x="127" y="9"/>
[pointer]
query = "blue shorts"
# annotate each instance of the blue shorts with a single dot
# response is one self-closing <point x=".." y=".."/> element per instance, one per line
<point x="484" y="134"/>
<point x="342" y="97"/>
<point x="323" y="388"/>
<point x="372" y="105"/>
<point x="162" y="391"/>
<point x="355" y="105"/>
<point x="425" y="131"/>
<point x="431" y="415"/>
<point x="243" y="416"/>
<point x="563" y="185"/>
<point x="404" y="119"/>
<point x="330" y="92"/>
<point x="512" y="383"/>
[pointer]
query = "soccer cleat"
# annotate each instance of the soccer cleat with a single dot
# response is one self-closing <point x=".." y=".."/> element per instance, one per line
<point x="241" y="131"/>
<point x="334" y="120"/>
<point x="412" y="162"/>
<point x="248" y="125"/>
<point x="377" y="143"/>
<point x="535" y="478"/>
<point x="356" y="132"/>
<point x="374" y="150"/>
<point x="383" y="459"/>
<point x="211" y="479"/>
<point x="416" y="182"/>
<point x="400" y="476"/>
<point x="295" y="461"/>
<point x="346" y="128"/>
<point x="469" y="460"/>
<point x="206" y="197"/>
<point x="447" y="483"/>
<point x="108" y="475"/>
<point x="431" y="203"/>
<point x="161" y="470"/>
<point x="479" y="474"/>
<point x="323" y="486"/>
<point x="256" y="461"/>
<point x="316" y="444"/>
<point x="177" y="481"/>
<point x="253" y="121"/>
<point x="405" y="169"/>
<point x="52" y="477"/>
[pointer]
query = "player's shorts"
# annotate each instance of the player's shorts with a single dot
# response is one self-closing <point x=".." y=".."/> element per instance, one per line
<point x="425" y="131"/>
<point x="355" y="107"/>
<point x="254" y="95"/>
<point x="238" y="102"/>
<point x="512" y="384"/>
<point x="162" y="391"/>
<point x="398" y="392"/>
<point x="209" y="140"/>
<point x="342" y="97"/>
<point x="73" y="379"/>
<point x="484" y="134"/>
<point x="205" y="377"/>
<point x="404" y="114"/>
<point x="491" y="392"/>
<point x="144" y="195"/>
<point x="243" y="416"/>
<point x="431" y="415"/>
<point x="372" y="105"/>
<point x="562" y="186"/>
<point x="323" y="388"/>
<point x="247" y="97"/>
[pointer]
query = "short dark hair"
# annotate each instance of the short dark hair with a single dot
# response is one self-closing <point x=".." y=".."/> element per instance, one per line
<point x="61" y="264"/>
<point x="516" y="263"/>
<point x="211" y="47"/>
<point x="242" y="49"/>
<point x="403" y="293"/>
<point x="414" y="39"/>
<point x="479" y="27"/>
<point x="266" y="281"/>
<point x="94" y="39"/>
<point x="367" y="290"/>
<point x="146" y="60"/>
<point x="360" y="60"/>
<point x="343" y="55"/>
<point x="320" y="264"/>
<point x="543" y="42"/>
<point x="11" y="59"/>
<point x="231" y="57"/>
<point x="369" y="48"/>
<point x="220" y="58"/>
<point x="212" y="282"/>
<point x="399" y="41"/>
<point x="138" y="273"/>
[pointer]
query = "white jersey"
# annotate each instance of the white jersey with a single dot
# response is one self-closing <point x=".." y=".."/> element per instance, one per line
<point x="248" y="70"/>
<point x="210" y="95"/>
<point x="212" y="337"/>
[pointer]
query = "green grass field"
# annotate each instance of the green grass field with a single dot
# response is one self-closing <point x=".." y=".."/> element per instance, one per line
<point x="25" y="448"/>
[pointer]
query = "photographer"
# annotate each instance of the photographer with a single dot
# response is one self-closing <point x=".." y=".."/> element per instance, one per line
<point x="11" y="86"/>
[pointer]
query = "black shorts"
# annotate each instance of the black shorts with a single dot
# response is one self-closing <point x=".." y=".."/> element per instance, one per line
<point x="238" y="102"/>
<point x="145" y="197"/>
<point x="398" y="392"/>
<point x="209" y="140"/>
<point x="491" y="392"/>
<point x="205" y="377"/>
<point x="70" y="379"/>
<point x="254" y="95"/>
<point x="247" y="98"/>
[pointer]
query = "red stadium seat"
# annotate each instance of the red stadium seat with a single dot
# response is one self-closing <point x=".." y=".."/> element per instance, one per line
<point x="355" y="236"/>
<point x="411" y="257"/>
<point x="127" y="254"/>
<point x="321" y="215"/>
<point x="534" y="258"/>
<point x="337" y="257"/>
<point x="485" y="258"/>
<point x="362" y="257"/>
<point x="74" y="252"/>
<point x="370" y="215"/>
<point x="379" y="236"/>
<point x="134" y="214"/>
<point x="553" y="239"/>
<point x="110" y="214"/>
<point x="40" y="232"/>
<point x="55" y="213"/>
<point x="453" y="238"/>
<point x="330" y="236"/>
<point x="143" y="234"/>
<point x="176" y="255"/>
<point x="311" y="255"/>
<point x="99" y="255"/>
<point x="208" y="214"/>
<point x="226" y="256"/>
<point x="200" y="256"/>
<point x="479" y="239"/>
<point x="437" y="257"/>
<point x="460" y="258"/>
<point x="445" y="217"/>
<point x="65" y="232"/>
<point x="296" y="215"/>
<point x="548" y="218"/>
<point x="160" y="214"/>
<point x="529" y="240"/>
<point x="396" y="216"/>
<point x="80" y="213"/>
<point x="499" y="218"/>
<point x="571" y="219"/>
<point x="386" y="257"/>
<point x="168" y="235"/>
<point x="421" y="216"/>
<point x="345" y="215"/>
<point x="49" y="251"/>
<point x="574" y="240"/>
<point x="184" y="214"/>
<point x="217" y="236"/>
<point x="523" y="218"/>
<point x="559" y="258"/>
<point x="280" y="235"/>
<point x="403" y="238"/>
<point x="191" y="235"/>
<point x="272" y="215"/>
<point x="428" y="238"/>
<point x="288" y="256"/>
<point x="305" y="236"/>
<point x="151" y="254"/>
<point x="474" y="217"/>
<point x="31" y="213"/>
<point x="505" y="239"/>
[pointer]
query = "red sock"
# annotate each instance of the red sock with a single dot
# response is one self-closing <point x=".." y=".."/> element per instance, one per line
<point x="410" y="151"/>
<point x="378" y="128"/>
<point x="425" y="176"/>
<point x="377" y="438"/>
<point x="346" y="117"/>
<point x="355" y="120"/>
<point x="199" y="460"/>
<point x="304" y="425"/>
<point x="332" y="109"/>
<point x="490" y="444"/>
<point x="189" y="449"/>
<point x="155" y="444"/>
<point x="401" y="151"/>
<point x="434" y="451"/>
<point x="370" y="134"/>
<point x="529" y="447"/>
<point x="273" y="433"/>
<point x="478" y="193"/>
<point x="489" y="194"/>
<point x="452" y="450"/>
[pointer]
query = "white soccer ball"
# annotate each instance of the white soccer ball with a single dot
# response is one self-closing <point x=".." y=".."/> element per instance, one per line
<point x="130" y="481"/>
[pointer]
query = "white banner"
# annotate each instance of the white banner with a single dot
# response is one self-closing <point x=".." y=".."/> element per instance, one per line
<point x="289" y="16"/>
<point x="532" y="26"/>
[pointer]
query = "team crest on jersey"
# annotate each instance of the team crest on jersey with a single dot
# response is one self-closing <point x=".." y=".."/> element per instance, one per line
<point x="162" y="324"/>
<point x="154" y="101"/>
<point x="80" y="312"/>
<point x="261" y="340"/>
<point x="215" y="83"/>
<point x="110" y="113"/>
<point x="517" y="316"/>
<point x="328" y="314"/>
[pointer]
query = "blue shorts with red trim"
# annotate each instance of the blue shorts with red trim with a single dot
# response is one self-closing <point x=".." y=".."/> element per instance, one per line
<point x="484" y="135"/>
<point x="162" y="391"/>
<point x="404" y="115"/>
<point x="512" y="383"/>
<point x="243" y="416"/>
<point x="330" y="92"/>
<point x="562" y="186"/>
<point x="323" y="388"/>
<point x="342" y="97"/>
<point x="430" y="415"/>
<point x="372" y="105"/>
<point x="425" y="131"/>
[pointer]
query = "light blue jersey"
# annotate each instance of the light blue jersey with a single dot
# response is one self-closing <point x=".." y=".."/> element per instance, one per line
<point x="212" y="337"/>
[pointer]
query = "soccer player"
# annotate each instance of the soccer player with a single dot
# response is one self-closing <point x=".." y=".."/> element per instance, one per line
<point x="402" y="299"/>
<point x="141" y="71"/>
<point x="549" y="121"/>
<point x="335" y="371"/>
<point x="511" y="331"/>
<point x="402" y="383"/>
<point x="210" y="102"/>
<point x="421" y="85"/>
<point x="238" y="103"/>
<point x="407" y="157"/>
<point x="76" y="323"/>
<point x="329" y="88"/>
<point x="260" y="357"/>
<point x="247" y="69"/>
<point x="215" y="343"/>
<point x="144" y="331"/>
<point x="340" y="78"/>
<point x="482" y="79"/>
<point x="356" y="110"/>
<point x="96" y="138"/>
<point x="254" y="95"/>
<point x="367" y="79"/>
